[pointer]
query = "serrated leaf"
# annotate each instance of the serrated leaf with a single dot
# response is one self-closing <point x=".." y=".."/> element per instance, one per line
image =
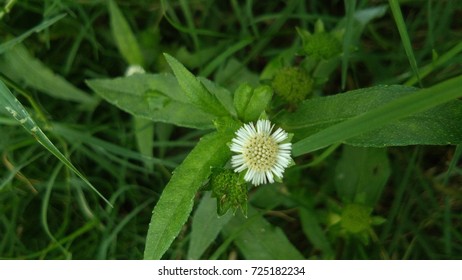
<point x="379" y="116"/>
<point x="206" y="225"/>
<point x="157" y="97"/>
<point x="175" y="204"/>
<point x="19" y="65"/>
<point x="195" y="90"/>
<point x="259" y="240"/>
<point x="222" y="94"/>
<point x="124" y="37"/>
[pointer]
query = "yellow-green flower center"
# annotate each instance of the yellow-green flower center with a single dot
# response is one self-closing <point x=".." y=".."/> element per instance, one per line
<point x="260" y="153"/>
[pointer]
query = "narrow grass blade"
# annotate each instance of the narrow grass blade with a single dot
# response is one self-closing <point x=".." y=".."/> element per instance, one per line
<point x="190" y="22"/>
<point x="173" y="21"/>
<point x="45" y="24"/>
<point x="448" y="214"/>
<point x="124" y="37"/>
<point x="440" y="61"/>
<point x="144" y="132"/>
<point x="104" y="246"/>
<point x="15" y="171"/>
<point x="19" y="65"/>
<point x="350" y="7"/>
<point x="273" y="28"/>
<point x="10" y="104"/>
<point x="7" y="8"/>
<point x="45" y="207"/>
<point x="408" y="105"/>
<point x="112" y="149"/>
<point x="396" y="10"/>
<point x="220" y="59"/>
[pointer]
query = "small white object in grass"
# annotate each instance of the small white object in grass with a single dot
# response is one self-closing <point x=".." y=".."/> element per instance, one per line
<point x="134" y="69"/>
<point x="262" y="153"/>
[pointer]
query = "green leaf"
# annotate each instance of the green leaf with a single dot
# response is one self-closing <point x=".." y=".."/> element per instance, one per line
<point x="379" y="116"/>
<point x="195" y="90"/>
<point x="45" y="24"/>
<point x="222" y="94"/>
<point x="206" y="226"/>
<point x="242" y="96"/>
<point x="19" y="65"/>
<point x="233" y="74"/>
<point x="175" y="204"/>
<point x="157" y="97"/>
<point x="124" y="37"/>
<point x="144" y="132"/>
<point x="350" y="7"/>
<point x="259" y="240"/>
<point x="9" y="104"/>
<point x="270" y="197"/>
<point x="250" y="103"/>
<point x="312" y="229"/>
<point x="361" y="175"/>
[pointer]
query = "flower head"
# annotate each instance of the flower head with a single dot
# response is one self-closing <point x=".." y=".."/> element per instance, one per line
<point x="261" y="152"/>
<point x="230" y="191"/>
<point x="293" y="84"/>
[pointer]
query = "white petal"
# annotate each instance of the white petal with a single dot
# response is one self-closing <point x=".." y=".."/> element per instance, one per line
<point x="236" y="148"/>
<point x="240" y="168"/>
<point x="280" y="135"/>
<point x="237" y="160"/>
<point x="264" y="127"/>
<point x="249" y="175"/>
<point x="259" y="178"/>
<point x="269" y="175"/>
<point x="285" y="146"/>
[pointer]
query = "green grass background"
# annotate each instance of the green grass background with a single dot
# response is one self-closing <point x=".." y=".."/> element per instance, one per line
<point x="46" y="212"/>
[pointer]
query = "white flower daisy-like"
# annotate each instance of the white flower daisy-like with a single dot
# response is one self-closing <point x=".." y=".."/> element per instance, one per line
<point x="261" y="152"/>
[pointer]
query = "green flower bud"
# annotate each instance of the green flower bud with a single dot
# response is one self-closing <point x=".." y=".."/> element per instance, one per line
<point x="230" y="190"/>
<point x="293" y="84"/>
<point x="321" y="45"/>
<point x="356" y="218"/>
<point x="250" y="103"/>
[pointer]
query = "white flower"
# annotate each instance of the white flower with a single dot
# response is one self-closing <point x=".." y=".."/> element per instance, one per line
<point x="260" y="152"/>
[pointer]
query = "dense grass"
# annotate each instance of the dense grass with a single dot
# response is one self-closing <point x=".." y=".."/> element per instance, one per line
<point x="47" y="212"/>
